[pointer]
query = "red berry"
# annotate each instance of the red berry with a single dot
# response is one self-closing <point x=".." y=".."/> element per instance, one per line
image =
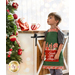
<point x="10" y="49"/>
<point x="8" y="55"/>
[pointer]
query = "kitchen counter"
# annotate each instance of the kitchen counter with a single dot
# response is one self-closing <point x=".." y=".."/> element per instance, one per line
<point x="32" y="31"/>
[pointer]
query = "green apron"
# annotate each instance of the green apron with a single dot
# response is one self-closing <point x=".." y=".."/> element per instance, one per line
<point x="52" y="45"/>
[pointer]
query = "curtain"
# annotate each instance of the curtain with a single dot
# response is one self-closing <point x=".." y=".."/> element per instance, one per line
<point x="36" y="11"/>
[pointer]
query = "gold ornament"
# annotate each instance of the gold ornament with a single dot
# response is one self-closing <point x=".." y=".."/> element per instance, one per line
<point x="13" y="66"/>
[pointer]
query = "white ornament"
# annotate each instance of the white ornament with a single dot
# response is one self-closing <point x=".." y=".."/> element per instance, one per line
<point x="9" y="52"/>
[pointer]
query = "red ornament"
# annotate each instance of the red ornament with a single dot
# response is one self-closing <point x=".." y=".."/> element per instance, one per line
<point x="8" y="55"/>
<point x="16" y="33"/>
<point x="7" y="2"/>
<point x="15" y="16"/>
<point x="10" y="49"/>
<point x="15" y="5"/>
<point x="12" y="38"/>
<point x="8" y="11"/>
<point x="19" y="51"/>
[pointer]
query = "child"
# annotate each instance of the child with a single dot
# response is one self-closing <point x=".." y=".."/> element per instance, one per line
<point x="54" y="40"/>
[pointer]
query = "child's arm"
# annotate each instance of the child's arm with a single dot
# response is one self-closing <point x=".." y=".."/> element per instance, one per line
<point x="44" y="43"/>
<point x="43" y="49"/>
<point x="58" y="52"/>
<point x="61" y="43"/>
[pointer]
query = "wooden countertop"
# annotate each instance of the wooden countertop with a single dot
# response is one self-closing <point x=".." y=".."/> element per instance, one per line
<point x="38" y="31"/>
<point x="32" y="31"/>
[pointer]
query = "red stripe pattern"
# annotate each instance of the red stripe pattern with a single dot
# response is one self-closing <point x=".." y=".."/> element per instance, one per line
<point x="54" y="29"/>
<point x="53" y="67"/>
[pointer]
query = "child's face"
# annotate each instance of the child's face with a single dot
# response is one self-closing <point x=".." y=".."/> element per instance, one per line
<point x="51" y="20"/>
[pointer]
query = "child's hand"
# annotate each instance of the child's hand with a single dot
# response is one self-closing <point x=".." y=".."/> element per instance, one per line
<point x="56" y="56"/>
<point x="42" y="56"/>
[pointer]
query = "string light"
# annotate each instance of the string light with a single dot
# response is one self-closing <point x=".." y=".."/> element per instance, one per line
<point x="28" y="59"/>
<point x="26" y="70"/>
<point x="54" y="5"/>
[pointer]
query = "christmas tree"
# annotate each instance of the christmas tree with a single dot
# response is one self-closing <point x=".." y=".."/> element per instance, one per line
<point x="13" y="49"/>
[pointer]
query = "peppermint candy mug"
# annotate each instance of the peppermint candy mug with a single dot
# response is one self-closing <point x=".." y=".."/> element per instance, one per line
<point x="35" y="26"/>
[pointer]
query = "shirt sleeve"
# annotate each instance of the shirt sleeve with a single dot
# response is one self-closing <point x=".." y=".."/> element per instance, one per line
<point x="61" y="37"/>
<point x="45" y="35"/>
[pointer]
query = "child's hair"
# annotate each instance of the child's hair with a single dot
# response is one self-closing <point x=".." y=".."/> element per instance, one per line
<point x="56" y="16"/>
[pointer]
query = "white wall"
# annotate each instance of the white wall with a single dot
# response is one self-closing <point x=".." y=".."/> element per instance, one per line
<point x="36" y="11"/>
